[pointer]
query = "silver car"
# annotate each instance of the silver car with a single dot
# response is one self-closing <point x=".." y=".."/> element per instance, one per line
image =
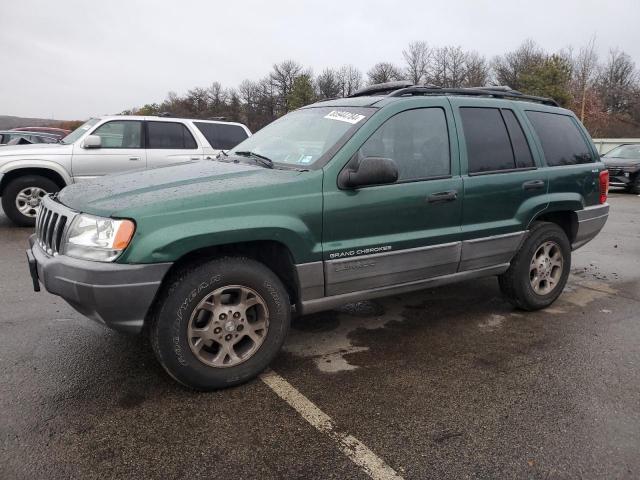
<point x="105" y="145"/>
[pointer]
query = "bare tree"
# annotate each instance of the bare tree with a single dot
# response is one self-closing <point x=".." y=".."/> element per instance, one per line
<point x="416" y="57"/>
<point x="476" y="70"/>
<point x="283" y="76"/>
<point x="349" y="79"/>
<point x="618" y="82"/>
<point x="328" y="84"/>
<point x="448" y="67"/>
<point x="585" y="72"/>
<point x="383" y="72"/>
<point x="510" y="67"/>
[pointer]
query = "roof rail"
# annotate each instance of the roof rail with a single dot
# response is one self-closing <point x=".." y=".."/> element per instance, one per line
<point x="496" y="92"/>
<point x="380" y="88"/>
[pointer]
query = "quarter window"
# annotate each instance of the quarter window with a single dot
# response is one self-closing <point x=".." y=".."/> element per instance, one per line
<point x="169" y="135"/>
<point x="521" y="149"/>
<point x="417" y="140"/>
<point x="221" y="136"/>
<point x="120" y="134"/>
<point x="562" y="142"/>
<point x="487" y="140"/>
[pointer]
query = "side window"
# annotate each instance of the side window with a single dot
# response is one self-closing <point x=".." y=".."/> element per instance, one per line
<point x="562" y="142"/>
<point x="120" y="134"/>
<point x="487" y="140"/>
<point x="169" y="135"/>
<point x="221" y="136"/>
<point x="417" y="140"/>
<point x="521" y="149"/>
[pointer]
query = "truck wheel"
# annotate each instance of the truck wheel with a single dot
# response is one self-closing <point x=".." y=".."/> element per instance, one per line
<point x="220" y="323"/>
<point x="540" y="269"/>
<point x="21" y="198"/>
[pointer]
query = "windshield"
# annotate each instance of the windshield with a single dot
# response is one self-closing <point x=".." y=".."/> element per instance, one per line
<point x="630" y="152"/>
<point x="78" y="132"/>
<point x="302" y="137"/>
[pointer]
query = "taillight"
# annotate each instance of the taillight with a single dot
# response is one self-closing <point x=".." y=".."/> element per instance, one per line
<point x="604" y="185"/>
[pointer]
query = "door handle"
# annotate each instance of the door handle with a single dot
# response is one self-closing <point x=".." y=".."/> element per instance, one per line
<point x="134" y="159"/>
<point x="448" y="196"/>
<point x="195" y="158"/>
<point x="533" y="185"/>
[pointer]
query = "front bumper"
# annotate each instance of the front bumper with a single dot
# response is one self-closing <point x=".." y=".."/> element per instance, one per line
<point x="116" y="295"/>
<point x="590" y="222"/>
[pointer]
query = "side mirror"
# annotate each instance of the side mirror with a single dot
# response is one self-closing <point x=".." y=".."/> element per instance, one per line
<point x="92" y="141"/>
<point x="370" y="171"/>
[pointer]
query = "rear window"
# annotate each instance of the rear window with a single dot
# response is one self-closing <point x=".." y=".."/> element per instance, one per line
<point x="169" y="135"/>
<point x="562" y="142"/>
<point x="221" y="136"/>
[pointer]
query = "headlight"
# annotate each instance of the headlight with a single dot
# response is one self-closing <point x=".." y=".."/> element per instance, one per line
<point x="97" y="238"/>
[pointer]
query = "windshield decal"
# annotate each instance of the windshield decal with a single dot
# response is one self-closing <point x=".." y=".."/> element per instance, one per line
<point x="348" y="117"/>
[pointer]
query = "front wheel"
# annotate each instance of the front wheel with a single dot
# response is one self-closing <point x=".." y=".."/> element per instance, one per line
<point x="221" y="323"/>
<point x="539" y="271"/>
<point x="22" y="196"/>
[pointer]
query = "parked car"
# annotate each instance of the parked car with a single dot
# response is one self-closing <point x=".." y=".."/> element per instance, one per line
<point x="623" y="163"/>
<point x="58" y="132"/>
<point x="397" y="188"/>
<point x="10" y="137"/>
<point x="102" y="146"/>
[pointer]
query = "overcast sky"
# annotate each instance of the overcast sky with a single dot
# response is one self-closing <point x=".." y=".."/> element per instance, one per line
<point x="72" y="59"/>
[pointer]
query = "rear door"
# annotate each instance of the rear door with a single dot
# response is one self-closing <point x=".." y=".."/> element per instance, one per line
<point x="121" y="150"/>
<point x="383" y="235"/>
<point x="170" y="143"/>
<point x="505" y="184"/>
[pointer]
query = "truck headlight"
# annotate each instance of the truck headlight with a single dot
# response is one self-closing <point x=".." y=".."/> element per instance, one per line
<point x="97" y="238"/>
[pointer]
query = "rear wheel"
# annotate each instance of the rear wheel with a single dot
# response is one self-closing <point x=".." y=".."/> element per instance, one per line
<point x="22" y="196"/>
<point x="221" y="323"/>
<point x="539" y="271"/>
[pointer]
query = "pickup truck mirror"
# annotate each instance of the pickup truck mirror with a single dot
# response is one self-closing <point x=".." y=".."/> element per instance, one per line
<point x="369" y="171"/>
<point x="92" y="141"/>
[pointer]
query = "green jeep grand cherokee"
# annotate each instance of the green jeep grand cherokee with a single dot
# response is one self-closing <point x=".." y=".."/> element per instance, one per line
<point x="397" y="188"/>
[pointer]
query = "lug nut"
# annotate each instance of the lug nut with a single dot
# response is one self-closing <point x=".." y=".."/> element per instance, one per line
<point x="223" y="316"/>
<point x="239" y="328"/>
<point x="236" y="315"/>
<point x="228" y="337"/>
<point x="217" y="330"/>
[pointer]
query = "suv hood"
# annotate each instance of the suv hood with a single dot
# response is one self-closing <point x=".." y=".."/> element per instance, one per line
<point x="173" y="188"/>
<point x="35" y="149"/>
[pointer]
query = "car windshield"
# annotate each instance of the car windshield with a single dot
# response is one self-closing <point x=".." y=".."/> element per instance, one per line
<point x="78" y="132"/>
<point x="628" y="152"/>
<point x="300" y="138"/>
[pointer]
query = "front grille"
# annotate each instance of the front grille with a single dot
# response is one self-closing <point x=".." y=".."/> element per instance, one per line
<point x="52" y="223"/>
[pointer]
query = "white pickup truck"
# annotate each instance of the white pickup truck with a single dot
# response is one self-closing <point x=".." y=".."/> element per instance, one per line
<point x="106" y="145"/>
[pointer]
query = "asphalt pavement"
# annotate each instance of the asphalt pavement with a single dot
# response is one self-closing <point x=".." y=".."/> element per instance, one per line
<point x="447" y="383"/>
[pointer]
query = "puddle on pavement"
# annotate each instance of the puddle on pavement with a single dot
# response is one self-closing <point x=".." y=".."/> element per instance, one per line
<point x="325" y="337"/>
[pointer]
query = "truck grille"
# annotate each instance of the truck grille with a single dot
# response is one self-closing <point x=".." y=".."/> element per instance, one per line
<point x="52" y="223"/>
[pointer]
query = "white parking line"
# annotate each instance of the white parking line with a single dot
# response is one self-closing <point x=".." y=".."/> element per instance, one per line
<point x="353" y="448"/>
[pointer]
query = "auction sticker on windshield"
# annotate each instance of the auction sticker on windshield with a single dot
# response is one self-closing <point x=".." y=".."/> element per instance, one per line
<point x="344" y="116"/>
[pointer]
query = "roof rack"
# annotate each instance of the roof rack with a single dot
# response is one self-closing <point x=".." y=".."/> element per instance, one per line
<point x="392" y="89"/>
<point x="381" y="88"/>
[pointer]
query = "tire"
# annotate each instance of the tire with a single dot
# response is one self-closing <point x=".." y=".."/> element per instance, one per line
<point x="35" y="184"/>
<point x="635" y="185"/>
<point x="517" y="283"/>
<point x="192" y="323"/>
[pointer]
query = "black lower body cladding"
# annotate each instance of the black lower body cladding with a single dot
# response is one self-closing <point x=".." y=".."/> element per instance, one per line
<point x="116" y="295"/>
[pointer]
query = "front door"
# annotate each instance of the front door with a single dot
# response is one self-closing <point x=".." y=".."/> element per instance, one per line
<point x="384" y="235"/>
<point x="121" y="150"/>
<point x="169" y="143"/>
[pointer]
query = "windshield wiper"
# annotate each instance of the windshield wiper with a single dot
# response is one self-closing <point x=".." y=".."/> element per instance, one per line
<point x="260" y="159"/>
